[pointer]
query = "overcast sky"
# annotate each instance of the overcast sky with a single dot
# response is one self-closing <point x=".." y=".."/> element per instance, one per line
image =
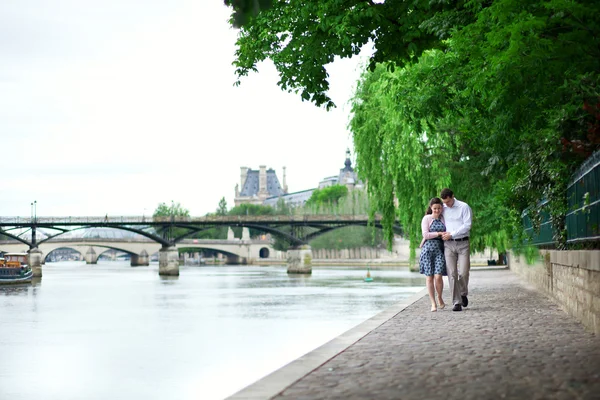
<point x="113" y="106"/>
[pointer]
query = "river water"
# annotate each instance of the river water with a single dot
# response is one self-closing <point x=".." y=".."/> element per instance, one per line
<point x="110" y="331"/>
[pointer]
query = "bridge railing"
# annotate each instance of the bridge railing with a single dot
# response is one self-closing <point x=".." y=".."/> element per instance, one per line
<point x="583" y="218"/>
<point x="204" y="219"/>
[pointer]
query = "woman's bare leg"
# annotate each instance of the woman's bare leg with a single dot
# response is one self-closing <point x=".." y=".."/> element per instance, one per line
<point x="431" y="290"/>
<point x="439" y="288"/>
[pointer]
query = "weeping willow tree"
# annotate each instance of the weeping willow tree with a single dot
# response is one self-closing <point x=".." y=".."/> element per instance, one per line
<point x="405" y="165"/>
<point x="411" y="141"/>
<point x="498" y="115"/>
<point x="486" y="97"/>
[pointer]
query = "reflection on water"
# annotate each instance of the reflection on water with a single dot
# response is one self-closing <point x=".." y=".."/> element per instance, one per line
<point x="9" y="290"/>
<point x="166" y="279"/>
<point x="109" y="331"/>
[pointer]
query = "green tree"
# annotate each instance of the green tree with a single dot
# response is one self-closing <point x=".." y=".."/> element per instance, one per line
<point x="328" y="197"/>
<point x="349" y="237"/>
<point x="489" y="98"/>
<point x="222" y="208"/>
<point x="494" y="116"/>
<point x="301" y="37"/>
<point x="244" y="10"/>
<point x="252" y="209"/>
<point x="171" y="212"/>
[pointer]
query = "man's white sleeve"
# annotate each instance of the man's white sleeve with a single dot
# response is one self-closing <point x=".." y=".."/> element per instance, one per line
<point x="465" y="228"/>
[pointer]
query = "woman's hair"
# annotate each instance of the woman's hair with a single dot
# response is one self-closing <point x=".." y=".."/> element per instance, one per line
<point x="435" y="200"/>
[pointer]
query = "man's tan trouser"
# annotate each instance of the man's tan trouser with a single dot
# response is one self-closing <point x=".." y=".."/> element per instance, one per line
<point x="458" y="265"/>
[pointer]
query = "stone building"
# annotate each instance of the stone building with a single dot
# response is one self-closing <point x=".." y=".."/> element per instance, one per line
<point x="258" y="185"/>
<point x="269" y="192"/>
<point x="347" y="177"/>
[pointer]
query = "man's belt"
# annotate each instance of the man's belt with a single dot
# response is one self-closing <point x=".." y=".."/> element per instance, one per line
<point x="461" y="239"/>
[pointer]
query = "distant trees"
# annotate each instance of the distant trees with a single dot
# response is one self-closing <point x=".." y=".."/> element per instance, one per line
<point x="222" y="207"/>
<point x="337" y="199"/>
<point x="328" y="196"/>
<point x="330" y="200"/>
<point x="173" y="210"/>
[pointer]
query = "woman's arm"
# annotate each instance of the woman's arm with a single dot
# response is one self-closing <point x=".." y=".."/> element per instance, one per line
<point x="425" y="222"/>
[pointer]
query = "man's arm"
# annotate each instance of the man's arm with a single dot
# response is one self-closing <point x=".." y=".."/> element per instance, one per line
<point x="467" y="219"/>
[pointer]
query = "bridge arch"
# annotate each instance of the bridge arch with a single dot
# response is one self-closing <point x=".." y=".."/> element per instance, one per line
<point x="264" y="252"/>
<point x="46" y="255"/>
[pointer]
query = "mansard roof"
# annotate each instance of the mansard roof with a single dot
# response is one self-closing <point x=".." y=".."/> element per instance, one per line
<point x="252" y="184"/>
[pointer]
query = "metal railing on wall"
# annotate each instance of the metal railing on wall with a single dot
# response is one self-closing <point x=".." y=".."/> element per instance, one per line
<point x="583" y="217"/>
<point x="545" y="234"/>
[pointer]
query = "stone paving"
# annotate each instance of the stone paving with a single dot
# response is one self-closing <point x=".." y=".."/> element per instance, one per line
<point x="511" y="342"/>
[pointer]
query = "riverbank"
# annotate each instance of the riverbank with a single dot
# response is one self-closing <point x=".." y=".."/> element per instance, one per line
<point x="375" y="263"/>
<point x="510" y="342"/>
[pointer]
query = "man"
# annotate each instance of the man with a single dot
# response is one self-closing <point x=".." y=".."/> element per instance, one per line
<point x="458" y="217"/>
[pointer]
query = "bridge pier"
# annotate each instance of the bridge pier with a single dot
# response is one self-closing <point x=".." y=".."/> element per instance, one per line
<point x="140" y="260"/>
<point x="90" y="256"/>
<point x="35" y="261"/>
<point x="299" y="260"/>
<point x="237" y="260"/>
<point x="168" y="261"/>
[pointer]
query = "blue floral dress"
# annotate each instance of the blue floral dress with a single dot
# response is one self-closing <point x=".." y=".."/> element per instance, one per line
<point x="432" y="260"/>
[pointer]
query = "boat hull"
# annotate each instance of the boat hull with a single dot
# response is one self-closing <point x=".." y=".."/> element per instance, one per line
<point x="16" y="279"/>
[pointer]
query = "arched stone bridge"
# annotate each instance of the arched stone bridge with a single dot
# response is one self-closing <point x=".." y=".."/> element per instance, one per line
<point x="237" y="251"/>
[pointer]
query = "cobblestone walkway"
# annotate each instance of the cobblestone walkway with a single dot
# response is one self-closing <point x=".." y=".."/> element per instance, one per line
<point x="511" y="342"/>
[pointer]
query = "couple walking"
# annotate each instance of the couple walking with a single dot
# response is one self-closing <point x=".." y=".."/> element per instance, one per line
<point x="445" y="249"/>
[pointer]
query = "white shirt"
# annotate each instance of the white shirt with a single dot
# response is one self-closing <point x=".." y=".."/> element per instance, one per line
<point x="458" y="219"/>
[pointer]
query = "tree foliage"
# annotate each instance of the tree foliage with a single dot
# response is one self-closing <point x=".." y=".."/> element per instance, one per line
<point x="493" y="99"/>
<point x="222" y="207"/>
<point x="327" y="196"/>
<point x="492" y="116"/>
<point x="337" y="199"/>
<point x="244" y="10"/>
<point x="349" y="237"/>
<point x="171" y="211"/>
<point x="302" y="36"/>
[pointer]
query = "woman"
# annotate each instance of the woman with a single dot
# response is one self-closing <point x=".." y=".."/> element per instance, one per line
<point x="432" y="262"/>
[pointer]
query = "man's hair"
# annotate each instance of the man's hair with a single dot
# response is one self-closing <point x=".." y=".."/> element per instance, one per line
<point x="446" y="193"/>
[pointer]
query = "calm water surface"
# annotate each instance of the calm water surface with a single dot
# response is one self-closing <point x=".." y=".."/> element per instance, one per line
<point x="110" y="331"/>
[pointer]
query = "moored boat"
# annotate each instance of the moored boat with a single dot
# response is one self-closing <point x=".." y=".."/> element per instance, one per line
<point x="14" y="269"/>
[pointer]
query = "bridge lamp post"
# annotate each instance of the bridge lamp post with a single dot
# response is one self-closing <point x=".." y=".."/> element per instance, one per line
<point x="33" y="211"/>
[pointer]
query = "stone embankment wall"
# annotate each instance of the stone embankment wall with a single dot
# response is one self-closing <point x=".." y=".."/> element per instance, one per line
<point x="360" y="253"/>
<point x="571" y="278"/>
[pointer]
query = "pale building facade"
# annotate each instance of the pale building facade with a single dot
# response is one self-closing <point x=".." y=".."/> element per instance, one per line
<point x="262" y="186"/>
<point x="258" y="185"/>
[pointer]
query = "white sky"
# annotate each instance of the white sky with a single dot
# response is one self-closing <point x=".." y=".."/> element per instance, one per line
<point x="113" y="106"/>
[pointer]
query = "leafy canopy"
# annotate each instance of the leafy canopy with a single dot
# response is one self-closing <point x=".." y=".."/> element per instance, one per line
<point x="489" y="98"/>
<point x="302" y="36"/>
<point x="173" y="210"/>
<point x="327" y="196"/>
<point x="489" y="116"/>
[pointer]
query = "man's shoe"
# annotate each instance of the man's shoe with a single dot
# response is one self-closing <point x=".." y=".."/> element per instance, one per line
<point x="465" y="301"/>
<point x="457" y="307"/>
